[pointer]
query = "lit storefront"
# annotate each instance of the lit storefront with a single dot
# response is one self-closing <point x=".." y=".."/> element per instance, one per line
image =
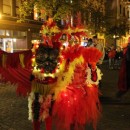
<point x="16" y="36"/>
<point x="11" y="40"/>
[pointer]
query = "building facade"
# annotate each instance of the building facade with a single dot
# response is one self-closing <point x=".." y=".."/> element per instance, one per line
<point x="117" y="13"/>
<point x="15" y="36"/>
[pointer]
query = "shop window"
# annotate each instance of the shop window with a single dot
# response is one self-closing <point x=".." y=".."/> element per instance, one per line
<point x="7" y="7"/>
<point x="2" y="32"/>
<point x="19" y="33"/>
<point x="1" y="43"/>
<point x="8" y="33"/>
<point x="17" y="7"/>
<point x="23" y="34"/>
<point x="15" y="33"/>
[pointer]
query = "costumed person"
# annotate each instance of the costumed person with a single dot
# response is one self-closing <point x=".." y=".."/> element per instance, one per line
<point x="76" y="93"/>
<point x="118" y="57"/>
<point x="124" y="73"/>
<point x="73" y="92"/>
<point x="64" y="83"/>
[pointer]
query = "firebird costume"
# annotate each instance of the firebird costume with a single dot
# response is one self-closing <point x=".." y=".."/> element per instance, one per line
<point x="65" y="87"/>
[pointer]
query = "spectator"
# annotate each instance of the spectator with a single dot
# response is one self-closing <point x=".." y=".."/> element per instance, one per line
<point x="118" y="58"/>
<point x="100" y="47"/>
<point x="124" y="74"/>
<point x="111" y="56"/>
<point x="90" y="43"/>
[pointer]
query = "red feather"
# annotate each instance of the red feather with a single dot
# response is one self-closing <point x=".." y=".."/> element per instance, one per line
<point x="92" y="54"/>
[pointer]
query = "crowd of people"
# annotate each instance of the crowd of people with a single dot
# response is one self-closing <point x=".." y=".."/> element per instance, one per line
<point x="118" y="59"/>
<point x="114" y="55"/>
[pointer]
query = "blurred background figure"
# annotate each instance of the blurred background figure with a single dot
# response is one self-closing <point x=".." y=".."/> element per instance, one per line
<point x="90" y="42"/>
<point x="100" y="47"/>
<point x="118" y="58"/>
<point x="124" y="73"/>
<point x="111" y="56"/>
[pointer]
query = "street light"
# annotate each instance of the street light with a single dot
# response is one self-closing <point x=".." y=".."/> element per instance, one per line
<point x="115" y="37"/>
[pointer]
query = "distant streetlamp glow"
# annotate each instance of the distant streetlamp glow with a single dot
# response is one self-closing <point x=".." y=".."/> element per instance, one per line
<point x="115" y="38"/>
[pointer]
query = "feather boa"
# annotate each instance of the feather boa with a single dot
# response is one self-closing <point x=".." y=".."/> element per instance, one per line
<point x="30" y="102"/>
<point x="45" y="105"/>
<point x="66" y="77"/>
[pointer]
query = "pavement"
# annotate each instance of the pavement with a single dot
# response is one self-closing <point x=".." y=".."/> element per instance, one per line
<point x="115" y="111"/>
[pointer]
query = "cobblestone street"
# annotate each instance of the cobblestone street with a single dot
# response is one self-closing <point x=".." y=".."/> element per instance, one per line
<point x="115" y="115"/>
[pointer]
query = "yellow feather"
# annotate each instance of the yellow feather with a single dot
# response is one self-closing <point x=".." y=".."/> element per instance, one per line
<point x="65" y="78"/>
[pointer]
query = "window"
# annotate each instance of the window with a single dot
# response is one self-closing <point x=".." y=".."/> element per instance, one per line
<point x="8" y="33"/>
<point x="124" y="11"/>
<point x="120" y="9"/>
<point x="15" y="33"/>
<point x="7" y="7"/>
<point x="2" y="32"/>
<point x="23" y="34"/>
<point x="19" y="34"/>
<point x="17" y="7"/>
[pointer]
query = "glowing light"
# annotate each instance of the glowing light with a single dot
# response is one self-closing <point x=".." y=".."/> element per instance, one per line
<point x="35" y="68"/>
<point x="64" y="94"/>
<point x="37" y="46"/>
<point x="65" y="44"/>
<point x="61" y="57"/>
<point x="53" y="76"/>
<point x="75" y="98"/>
<point x="14" y="40"/>
<point x="57" y="70"/>
<point x="45" y="75"/>
<point x="33" y="59"/>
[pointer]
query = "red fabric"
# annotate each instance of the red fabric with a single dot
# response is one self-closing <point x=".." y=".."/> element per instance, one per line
<point x="18" y="76"/>
<point x="14" y="72"/>
<point x="48" y="123"/>
<point x="36" y="125"/>
<point x="13" y="58"/>
<point x="78" y="104"/>
<point x="122" y="83"/>
<point x="93" y="75"/>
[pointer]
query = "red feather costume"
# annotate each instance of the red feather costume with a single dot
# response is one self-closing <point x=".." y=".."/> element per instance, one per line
<point x="78" y="103"/>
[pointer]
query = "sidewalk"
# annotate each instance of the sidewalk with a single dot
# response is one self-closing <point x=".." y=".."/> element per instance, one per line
<point x="115" y="114"/>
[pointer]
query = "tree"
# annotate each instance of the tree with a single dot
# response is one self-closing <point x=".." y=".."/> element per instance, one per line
<point x="93" y="11"/>
<point x="118" y="29"/>
<point x="56" y="9"/>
